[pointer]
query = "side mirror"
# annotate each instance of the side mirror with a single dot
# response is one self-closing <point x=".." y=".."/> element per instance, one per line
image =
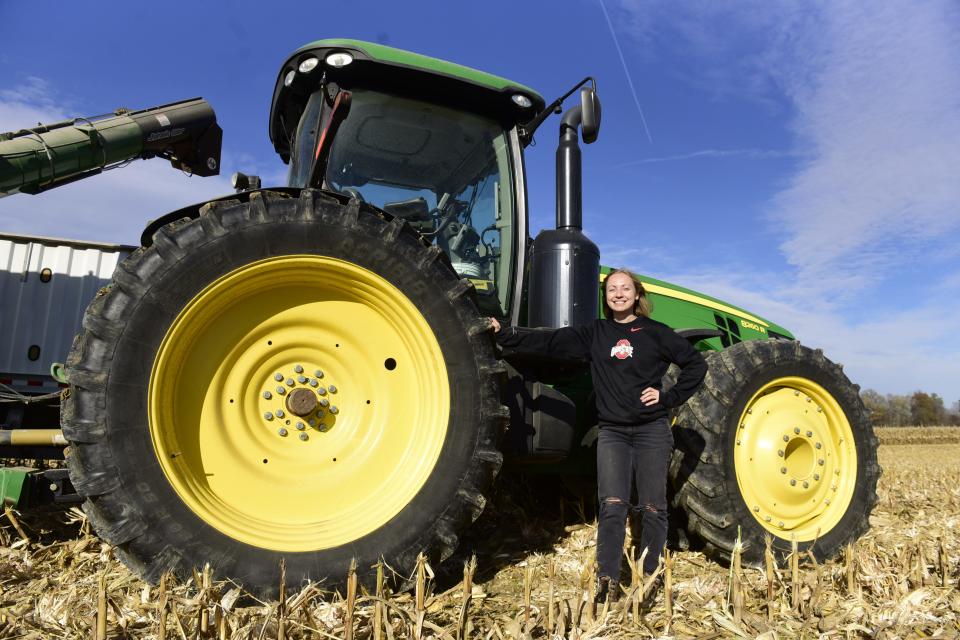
<point x="590" y="114"/>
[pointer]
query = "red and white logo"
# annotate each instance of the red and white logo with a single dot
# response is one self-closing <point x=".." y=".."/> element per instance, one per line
<point x="622" y="350"/>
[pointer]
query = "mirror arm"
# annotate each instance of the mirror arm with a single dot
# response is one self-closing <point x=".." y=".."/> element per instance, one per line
<point x="527" y="130"/>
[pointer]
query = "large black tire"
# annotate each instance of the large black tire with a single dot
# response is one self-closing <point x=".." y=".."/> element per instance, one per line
<point x="709" y="488"/>
<point x="130" y="501"/>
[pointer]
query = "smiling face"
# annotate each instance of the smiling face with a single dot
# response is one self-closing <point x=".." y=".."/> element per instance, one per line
<point x="621" y="296"/>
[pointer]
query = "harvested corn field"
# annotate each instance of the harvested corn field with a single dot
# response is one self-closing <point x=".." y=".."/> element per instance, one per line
<point x="531" y="579"/>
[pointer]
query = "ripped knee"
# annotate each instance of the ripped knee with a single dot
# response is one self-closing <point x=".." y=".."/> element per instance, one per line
<point x="613" y="500"/>
<point x="650" y="508"/>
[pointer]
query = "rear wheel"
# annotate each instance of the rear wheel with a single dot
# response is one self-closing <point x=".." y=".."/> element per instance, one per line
<point x="284" y="378"/>
<point x="777" y="442"/>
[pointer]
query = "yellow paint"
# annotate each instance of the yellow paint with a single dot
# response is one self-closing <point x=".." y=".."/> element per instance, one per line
<point x="782" y="474"/>
<point x="752" y="325"/>
<point x="689" y="297"/>
<point x="357" y="468"/>
<point x="481" y="285"/>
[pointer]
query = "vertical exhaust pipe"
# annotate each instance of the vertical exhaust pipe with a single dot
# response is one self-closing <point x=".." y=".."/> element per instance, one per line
<point x="565" y="266"/>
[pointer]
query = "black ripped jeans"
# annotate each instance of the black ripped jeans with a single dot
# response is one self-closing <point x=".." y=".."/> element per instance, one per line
<point x="632" y="456"/>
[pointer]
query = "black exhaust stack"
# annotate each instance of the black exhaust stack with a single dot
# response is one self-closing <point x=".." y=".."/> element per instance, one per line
<point x="565" y="266"/>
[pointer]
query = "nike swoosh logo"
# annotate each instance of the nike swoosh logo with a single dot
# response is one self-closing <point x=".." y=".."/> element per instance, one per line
<point x="635" y="329"/>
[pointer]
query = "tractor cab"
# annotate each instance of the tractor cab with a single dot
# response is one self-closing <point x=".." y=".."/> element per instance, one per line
<point x="432" y="142"/>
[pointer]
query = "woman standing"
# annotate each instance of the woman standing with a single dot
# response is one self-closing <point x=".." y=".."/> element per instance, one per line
<point x="628" y="354"/>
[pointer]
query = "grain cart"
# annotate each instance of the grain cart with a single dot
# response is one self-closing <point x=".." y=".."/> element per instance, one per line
<point x="305" y="373"/>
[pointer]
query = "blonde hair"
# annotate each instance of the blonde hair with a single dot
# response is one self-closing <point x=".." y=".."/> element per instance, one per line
<point x="642" y="306"/>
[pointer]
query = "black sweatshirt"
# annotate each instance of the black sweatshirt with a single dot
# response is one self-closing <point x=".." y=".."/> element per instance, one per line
<point x="625" y="359"/>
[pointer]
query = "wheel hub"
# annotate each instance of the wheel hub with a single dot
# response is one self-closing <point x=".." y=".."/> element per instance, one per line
<point x="302" y="402"/>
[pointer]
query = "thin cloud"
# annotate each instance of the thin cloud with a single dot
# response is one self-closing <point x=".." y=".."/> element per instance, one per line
<point x="748" y="154"/>
<point x="626" y="72"/>
<point x="897" y="352"/>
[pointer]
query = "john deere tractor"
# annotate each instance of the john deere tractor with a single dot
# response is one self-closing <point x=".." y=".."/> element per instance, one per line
<point x="306" y="373"/>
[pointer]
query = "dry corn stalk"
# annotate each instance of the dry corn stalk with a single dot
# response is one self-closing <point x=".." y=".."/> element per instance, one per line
<point x="794" y="574"/>
<point x="282" y="602"/>
<point x="420" y="595"/>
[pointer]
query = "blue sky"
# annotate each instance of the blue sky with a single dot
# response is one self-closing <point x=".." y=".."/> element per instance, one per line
<point x="798" y="159"/>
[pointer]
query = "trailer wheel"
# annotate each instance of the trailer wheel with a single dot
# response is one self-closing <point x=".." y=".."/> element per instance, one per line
<point x="776" y="442"/>
<point x="285" y="379"/>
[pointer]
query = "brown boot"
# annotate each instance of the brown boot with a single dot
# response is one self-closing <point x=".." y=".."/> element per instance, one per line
<point x="608" y="590"/>
<point x="650" y="597"/>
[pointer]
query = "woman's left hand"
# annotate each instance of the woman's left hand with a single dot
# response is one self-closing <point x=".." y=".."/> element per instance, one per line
<point x="650" y="396"/>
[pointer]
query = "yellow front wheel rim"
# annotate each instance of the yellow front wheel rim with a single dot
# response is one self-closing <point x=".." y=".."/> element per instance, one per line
<point x="230" y="403"/>
<point x="795" y="458"/>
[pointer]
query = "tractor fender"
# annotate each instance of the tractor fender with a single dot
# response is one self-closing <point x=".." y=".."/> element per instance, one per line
<point x="192" y="212"/>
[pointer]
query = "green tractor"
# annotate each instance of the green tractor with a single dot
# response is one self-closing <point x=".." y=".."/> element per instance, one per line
<point x="306" y="373"/>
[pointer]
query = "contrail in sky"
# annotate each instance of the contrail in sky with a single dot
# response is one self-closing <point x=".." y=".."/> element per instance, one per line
<point x="626" y="72"/>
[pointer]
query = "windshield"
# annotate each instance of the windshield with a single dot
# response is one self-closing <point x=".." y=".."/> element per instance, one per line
<point x="446" y="172"/>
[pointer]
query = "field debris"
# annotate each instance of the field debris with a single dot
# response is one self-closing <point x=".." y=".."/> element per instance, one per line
<point x="526" y="571"/>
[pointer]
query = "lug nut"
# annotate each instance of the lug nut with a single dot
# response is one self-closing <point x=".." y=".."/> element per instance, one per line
<point x="332" y="389"/>
<point x="268" y="415"/>
<point x="267" y="395"/>
<point x="786" y="438"/>
<point x="806" y="484"/>
<point x="334" y="410"/>
<point x="304" y="437"/>
<point x="796" y="430"/>
<point x="278" y="377"/>
<point x="756" y="509"/>
<point x="290" y="382"/>
<point x="738" y="443"/>
<point x="314" y="383"/>
<point x="793" y="483"/>
<point x="780" y="524"/>
<point x="819" y="409"/>
<point x="768" y="518"/>
<point x="282" y="431"/>
<point x="298" y="369"/>
<point x="827" y="501"/>
<point x="816" y="476"/>
<point x="322" y="391"/>
<point x="324" y="402"/>
<point x="280" y="413"/>
<point x="312" y="421"/>
<point x="780" y="452"/>
<point x="302" y="379"/>
<point x="818" y="445"/>
<point x="783" y="469"/>
<point x="301" y="426"/>
<point x="281" y="390"/>
<point x="318" y="373"/>
<point x="796" y="393"/>
<point x="809" y="434"/>
<point x="820" y="462"/>
<point x="749" y="411"/>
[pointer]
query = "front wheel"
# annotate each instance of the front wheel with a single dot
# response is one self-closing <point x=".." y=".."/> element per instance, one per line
<point x="296" y="379"/>
<point x="776" y="442"/>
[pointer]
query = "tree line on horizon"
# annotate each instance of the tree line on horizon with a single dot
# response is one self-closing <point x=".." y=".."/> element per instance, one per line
<point x="919" y="409"/>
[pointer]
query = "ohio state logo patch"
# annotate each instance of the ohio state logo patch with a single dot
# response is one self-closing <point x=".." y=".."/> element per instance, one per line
<point x="622" y="350"/>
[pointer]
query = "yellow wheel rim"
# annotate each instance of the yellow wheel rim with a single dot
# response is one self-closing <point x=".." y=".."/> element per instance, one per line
<point x="795" y="458"/>
<point x="222" y="391"/>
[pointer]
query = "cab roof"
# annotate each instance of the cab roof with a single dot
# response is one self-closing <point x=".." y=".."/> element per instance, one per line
<point x="376" y="66"/>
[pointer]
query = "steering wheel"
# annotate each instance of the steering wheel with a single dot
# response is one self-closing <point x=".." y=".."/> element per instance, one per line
<point x="354" y="193"/>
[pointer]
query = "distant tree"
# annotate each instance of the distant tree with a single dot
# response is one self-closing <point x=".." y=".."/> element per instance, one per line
<point x="878" y="407"/>
<point x="898" y="408"/>
<point x="927" y="409"/>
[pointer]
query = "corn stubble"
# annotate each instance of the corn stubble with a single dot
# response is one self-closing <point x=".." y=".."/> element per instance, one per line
<point x="900" y="580"/>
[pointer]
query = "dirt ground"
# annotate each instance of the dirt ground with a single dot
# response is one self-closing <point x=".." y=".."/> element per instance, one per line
<point x="534" y="555"/>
